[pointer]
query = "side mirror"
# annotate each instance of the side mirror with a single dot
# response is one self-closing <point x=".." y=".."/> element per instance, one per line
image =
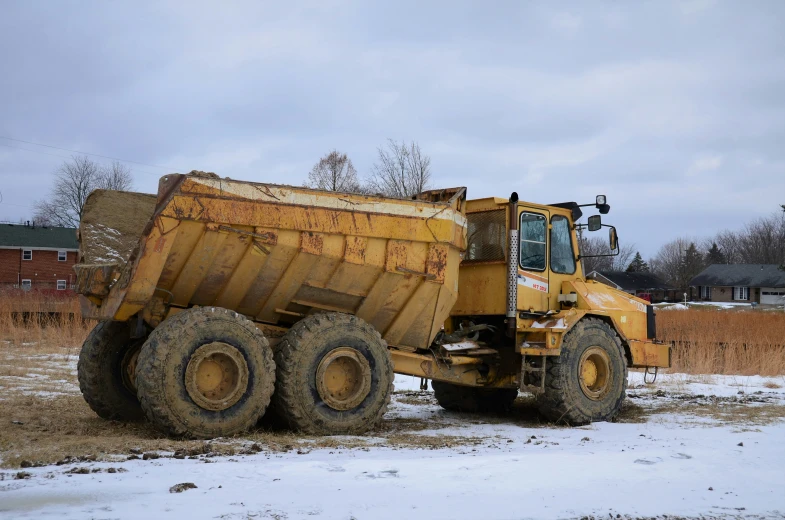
<point x="613" y="238"/>
<point x="595" y="222"/>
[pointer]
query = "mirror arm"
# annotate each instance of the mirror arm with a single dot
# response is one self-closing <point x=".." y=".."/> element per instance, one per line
<point x="615" y="252"/>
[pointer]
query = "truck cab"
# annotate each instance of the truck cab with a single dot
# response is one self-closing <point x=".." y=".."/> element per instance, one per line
<point x="524" y="300"/>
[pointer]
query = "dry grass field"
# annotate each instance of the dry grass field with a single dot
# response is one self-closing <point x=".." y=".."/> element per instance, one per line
<point x="45" y="419"/>
<point x="37" y="325"/>
<point x="734" y="342"/>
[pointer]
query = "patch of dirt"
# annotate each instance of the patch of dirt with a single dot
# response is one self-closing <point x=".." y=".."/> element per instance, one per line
<point x="112" y="223"/>
<point x="632" y="412"/>
<point x="754" y="409"/>
<point x="184" y="486"/>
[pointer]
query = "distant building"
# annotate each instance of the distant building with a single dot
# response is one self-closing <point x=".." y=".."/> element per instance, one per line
<point x="37" y="257"/>
<point x="752" y="283"/>
<point x="644" y="285"/>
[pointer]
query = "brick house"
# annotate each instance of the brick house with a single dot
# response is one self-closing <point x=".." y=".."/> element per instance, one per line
<point x="745" y="283"/>
<point x="37" y="257"/>
<point x="644" y="285"/>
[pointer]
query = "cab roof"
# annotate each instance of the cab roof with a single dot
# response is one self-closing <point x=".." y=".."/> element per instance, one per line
<point x="491" y="203"/>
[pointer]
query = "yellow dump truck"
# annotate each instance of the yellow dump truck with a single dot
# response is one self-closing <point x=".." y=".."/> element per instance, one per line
<point x="221" y="301"/>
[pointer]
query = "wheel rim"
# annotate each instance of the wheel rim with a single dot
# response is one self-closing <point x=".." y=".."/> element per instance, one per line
<point x="216" y="376"/>
<point x="594" y="373"/>
<point x="128" y="367"/>
<point x="343" y="378"/>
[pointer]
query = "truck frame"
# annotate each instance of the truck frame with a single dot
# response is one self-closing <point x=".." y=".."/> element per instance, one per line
<point x="220" y="302"/>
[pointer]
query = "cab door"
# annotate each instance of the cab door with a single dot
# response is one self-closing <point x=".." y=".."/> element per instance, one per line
<point x="533" y="277"/>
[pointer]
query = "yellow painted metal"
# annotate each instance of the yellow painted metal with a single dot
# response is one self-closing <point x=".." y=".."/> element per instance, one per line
<point x="482" y="290"/>
<point x="594" y="369"/>
<point x="343" y="378"/>
<point x="216" y="376"/>
<point x="456" y="369"/>
<point x="276" y="253"/>
<point x="648" y="354"/>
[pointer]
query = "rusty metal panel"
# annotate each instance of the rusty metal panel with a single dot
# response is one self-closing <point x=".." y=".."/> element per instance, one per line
<point x="264" y="284"/>
<point x="276" y="252"/>
<point x="195" y="270"/>
<point x="233" y="248"/>
<point x="240" y="279"/>
<point x="188" y="234"/>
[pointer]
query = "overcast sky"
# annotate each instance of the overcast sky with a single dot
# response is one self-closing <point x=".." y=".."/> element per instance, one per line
<point x="676" y="111"/>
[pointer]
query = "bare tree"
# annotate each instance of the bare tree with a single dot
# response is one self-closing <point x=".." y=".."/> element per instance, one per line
<point x="400" y="170"/>
<point x="728" y="243"/>
<point x="334" y="172"/>
<point x="74" y="181"/>
<point x="761" y="241"/>
<point x="601" y="246"/>
<point x="116" y="176"/>
<point x="679" y="261"/>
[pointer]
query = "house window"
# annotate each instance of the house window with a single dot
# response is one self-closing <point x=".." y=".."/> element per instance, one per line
<point x="62" y="256"/>
<point x="26" y="285"/>
<point x="706" y="293"/>
<point x="61" y="284"/>
<point x="741" y="293"/>
<point x="27" y="254"/>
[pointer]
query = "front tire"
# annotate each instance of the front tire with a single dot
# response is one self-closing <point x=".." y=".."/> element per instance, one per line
<point x="588" y="381"/>
<point x="105" y="371"/>
<point x="334" y="375"/>
<point x="458" y="398"/>
<point x="205" y="372"/>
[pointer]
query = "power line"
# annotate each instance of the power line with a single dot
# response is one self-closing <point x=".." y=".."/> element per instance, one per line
<point x="34" y="151"/>
<point x="66" y="157"/>
<point x="170" y="169"/>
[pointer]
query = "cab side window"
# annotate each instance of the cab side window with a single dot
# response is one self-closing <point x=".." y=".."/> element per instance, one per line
<point x="533" y="228"/>
<point x="562" y="255"/>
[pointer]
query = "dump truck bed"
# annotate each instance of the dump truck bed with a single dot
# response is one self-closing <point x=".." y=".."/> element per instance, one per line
<point x="273" y="253"/>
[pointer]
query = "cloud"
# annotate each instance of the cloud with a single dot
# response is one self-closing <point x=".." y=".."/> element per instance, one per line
<point x="705" y="163"/>
<point x="674" y="110"/>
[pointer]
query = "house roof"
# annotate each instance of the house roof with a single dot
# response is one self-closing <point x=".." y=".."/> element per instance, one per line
<point x="22" y="235"/>
<point x="741" y="275"/>
<point x="633" y="281"/>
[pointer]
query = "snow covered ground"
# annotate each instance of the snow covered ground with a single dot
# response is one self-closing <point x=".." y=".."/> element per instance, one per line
<point x="680" y="306"/>
<point x="691" y="446"/>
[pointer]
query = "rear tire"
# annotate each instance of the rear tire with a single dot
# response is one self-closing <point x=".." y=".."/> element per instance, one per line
<point x="205" y="372"/>
<point x="105" y="371"/>
<point x="588" y="381"/>
<point x="334" y="375"/>
<point x="458" y="398"/>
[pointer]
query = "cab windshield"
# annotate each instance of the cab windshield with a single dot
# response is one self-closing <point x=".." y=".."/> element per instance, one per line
<point x="562" y="255"/>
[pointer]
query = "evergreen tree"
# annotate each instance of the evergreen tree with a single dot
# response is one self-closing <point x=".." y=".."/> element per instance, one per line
<point x="715" y="255"/>
<point x="638" y="265"/>
<point x="693" y="264"/>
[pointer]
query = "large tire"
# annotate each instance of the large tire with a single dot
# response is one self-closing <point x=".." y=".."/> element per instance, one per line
<point x="334" y="375"/>
<point x="205" y="372"/>
<point x="458" y="398"/>
<point x="588" y="381"/>
<point x="105" y="371"/>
